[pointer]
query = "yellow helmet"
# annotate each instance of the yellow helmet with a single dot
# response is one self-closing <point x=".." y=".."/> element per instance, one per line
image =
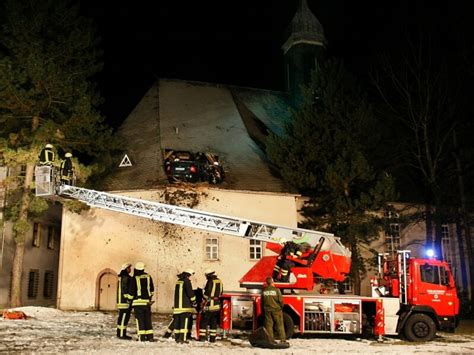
<point x="140" y="266"/>
<point x="68" y="155"/>
<point x="49" y="145"/>
<point x="125" y="266"/>
<point x="189" y="271"/>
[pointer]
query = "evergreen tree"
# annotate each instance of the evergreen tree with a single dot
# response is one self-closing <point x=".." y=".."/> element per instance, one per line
<point x="48" y="55"/>
<point x="327" y="153"/>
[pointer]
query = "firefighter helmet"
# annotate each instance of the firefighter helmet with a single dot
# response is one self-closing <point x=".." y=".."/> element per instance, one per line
<point x="208" y="272"/>
<point x="189" y="271"/>
<point x="139" y="266"/>
<point x="49" y="145"/>
<point x="68" y="155"/>
<point x="125" y="266"/>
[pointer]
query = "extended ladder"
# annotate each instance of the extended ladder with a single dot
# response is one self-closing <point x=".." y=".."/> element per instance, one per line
<point x="46" y="186"/>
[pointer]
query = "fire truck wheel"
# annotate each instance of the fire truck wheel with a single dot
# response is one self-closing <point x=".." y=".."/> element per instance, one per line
<point x="289" y="325"/>
<point x="420" y="327"/>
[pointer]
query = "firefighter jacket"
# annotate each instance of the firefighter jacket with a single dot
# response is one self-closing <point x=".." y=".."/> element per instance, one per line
<point x="184" y="297"/>
<point x="272" y="300"/>
<point x="291" y="249"/>
<point x="124" y="300"/>
<point x="141" y="289"/>
<point x="46" y="156"/>
<point x="212" y="293"/>
<point x="66" y="168"/>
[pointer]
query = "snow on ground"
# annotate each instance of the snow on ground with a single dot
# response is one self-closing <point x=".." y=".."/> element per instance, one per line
<point x="49" y="330"/>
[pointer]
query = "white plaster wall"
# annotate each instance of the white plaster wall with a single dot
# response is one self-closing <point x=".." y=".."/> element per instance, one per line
<point x="100" y="239"/>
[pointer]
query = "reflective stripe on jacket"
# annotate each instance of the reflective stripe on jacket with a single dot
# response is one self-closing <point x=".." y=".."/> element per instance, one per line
<point x="141" y="289"/>
<point x="122" y="290"/>
<point x="184" y="298"/>
<point x="212" y="293"/>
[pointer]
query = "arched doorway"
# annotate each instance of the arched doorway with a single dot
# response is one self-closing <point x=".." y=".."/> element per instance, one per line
<point x="106" y="299"/>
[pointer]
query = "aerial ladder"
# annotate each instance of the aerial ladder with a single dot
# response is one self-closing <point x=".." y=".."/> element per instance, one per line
<point x="329" y="258"/>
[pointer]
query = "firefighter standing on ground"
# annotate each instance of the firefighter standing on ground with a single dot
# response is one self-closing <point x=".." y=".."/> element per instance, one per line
<point x="211" y="306"/>
<point x="46" y="156"/>
<point x="66" y="169"/>
<point x="124" y="301"/>
<point x="272" y="305"/>
<point x="184" y="304"/>
<point x="141" y="291"/>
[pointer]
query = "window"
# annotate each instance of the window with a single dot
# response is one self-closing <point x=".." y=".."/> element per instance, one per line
<point x="392" y="238"/>
<point x="212" y="248"/>
<point x="444" y="276"/>
<point x="48" y="284"/>
<point x="345" y="286"/>
<point x="36" y="235"/>
<point x="33" y="279"/>
<point x="429" y="274"/>
<point x="255" y="249"/>
<point x="446" y="245"/>
<point x="51" y="237"/>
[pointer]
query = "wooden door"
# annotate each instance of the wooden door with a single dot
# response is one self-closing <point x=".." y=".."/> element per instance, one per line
<point x="108" y="292"/>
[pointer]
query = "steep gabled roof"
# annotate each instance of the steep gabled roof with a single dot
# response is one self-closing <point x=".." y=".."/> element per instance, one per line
<point x="201" y="117"/>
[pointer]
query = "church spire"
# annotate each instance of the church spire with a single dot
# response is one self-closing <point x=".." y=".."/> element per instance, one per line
<point x="304" y="28"/>
<point x="303" y="49"/>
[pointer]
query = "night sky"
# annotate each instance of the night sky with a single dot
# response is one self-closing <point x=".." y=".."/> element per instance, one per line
<point x="239" y="42"/>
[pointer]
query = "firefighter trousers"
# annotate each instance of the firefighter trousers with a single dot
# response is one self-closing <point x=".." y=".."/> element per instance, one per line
<point x="144" y="326"/>
<point x="211" y="319"/>
<point x="282" y="269"/>
<point x="183" y="323"/>
<point x="274" y="318"/>
<point x="122" y="321"/>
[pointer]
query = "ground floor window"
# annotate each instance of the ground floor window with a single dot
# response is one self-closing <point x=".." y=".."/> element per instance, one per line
<point x="33" y="279"/>
<point x="48" y="284"/>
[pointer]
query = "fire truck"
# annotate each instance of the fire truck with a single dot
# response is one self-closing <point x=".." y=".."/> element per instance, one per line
<point x="411" y="297"/>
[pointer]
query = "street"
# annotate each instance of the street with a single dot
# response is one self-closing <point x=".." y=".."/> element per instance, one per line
<point x="48" y="330"/>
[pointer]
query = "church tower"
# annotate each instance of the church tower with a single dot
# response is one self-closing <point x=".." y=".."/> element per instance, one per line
<point x="304" y="47"/>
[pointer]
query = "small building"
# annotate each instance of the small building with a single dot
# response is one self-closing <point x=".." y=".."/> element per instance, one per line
<point x="41" y="255"/>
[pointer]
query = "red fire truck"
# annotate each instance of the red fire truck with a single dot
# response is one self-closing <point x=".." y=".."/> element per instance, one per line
<point x="411" y="297"/>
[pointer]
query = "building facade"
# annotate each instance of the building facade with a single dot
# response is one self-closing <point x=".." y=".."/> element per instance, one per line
<point x="95" y="243"/>
<point x="41" y="257"/>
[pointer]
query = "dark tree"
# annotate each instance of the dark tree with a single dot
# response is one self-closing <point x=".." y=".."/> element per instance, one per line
<point x="48" y="54"/>
<point x="327" y="154"/>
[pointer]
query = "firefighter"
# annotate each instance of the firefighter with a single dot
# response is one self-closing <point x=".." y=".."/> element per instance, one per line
<point x="211" y="306"/>
<point x="46" y="156"/>
<point x="141" y="292"/>
<point x="272" y="306"/>
<point x="184" y="303"/>
<point x="66" y="169"/>
<point x="124" y="301"/>
<point x="282" y="269"/>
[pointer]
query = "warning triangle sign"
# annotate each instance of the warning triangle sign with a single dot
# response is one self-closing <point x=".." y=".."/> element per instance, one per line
<point x="125" y="161"/>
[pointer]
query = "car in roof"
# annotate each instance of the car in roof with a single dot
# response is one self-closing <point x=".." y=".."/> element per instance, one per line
<point x="185" y="166"/>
